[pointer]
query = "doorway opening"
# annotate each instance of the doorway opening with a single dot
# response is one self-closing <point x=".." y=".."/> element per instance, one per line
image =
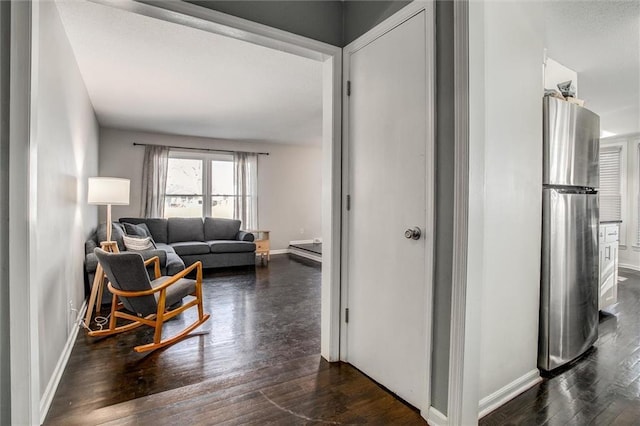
<point x="329" y="58"/>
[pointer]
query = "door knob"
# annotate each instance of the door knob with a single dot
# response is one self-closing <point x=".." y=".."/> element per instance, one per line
<point x="413" y="234"/>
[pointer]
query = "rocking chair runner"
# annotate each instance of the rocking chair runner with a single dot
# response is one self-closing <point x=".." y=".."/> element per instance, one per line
<point x="148" y="300"/>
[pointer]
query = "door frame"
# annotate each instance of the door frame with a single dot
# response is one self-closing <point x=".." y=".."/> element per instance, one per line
<point x="198" y="17"/>
<point x="23" y="301"/>
<point x="387" y="25"/>
<point x="25" y="393"/>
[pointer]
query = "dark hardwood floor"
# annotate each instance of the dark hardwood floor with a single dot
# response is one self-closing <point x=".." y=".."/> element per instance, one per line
<point x="602" y="388"/>
<point x="259" y="364"/>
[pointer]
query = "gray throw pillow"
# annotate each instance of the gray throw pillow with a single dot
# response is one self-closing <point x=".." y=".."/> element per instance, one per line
<point x="140" y="230"/>
<point x="117" y="232"/>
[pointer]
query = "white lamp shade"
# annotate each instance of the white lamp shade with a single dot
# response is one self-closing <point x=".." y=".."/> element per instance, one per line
<point x="108" y="190"/>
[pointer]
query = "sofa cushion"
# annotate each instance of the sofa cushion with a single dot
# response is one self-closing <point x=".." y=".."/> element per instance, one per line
<point x="216" y="228"/>
<point x="225" y="246"/>
<point x="191" y="247"/>
<point x="222" y="260"/>
<point x="157" y="227"/>
<point x="165" y="247"/>
<point x="140" y="230"/>
<point x="117" y="232"/>
<point x="175" y="263"/>
<point x="185" y="229"/>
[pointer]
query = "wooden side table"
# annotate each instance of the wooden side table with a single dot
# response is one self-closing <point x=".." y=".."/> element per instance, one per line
<point x="262" y="244"/>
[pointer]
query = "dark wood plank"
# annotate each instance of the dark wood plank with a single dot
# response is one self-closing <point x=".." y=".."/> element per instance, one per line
<point x="601" y="388"/>
<point x="258" y="364"/>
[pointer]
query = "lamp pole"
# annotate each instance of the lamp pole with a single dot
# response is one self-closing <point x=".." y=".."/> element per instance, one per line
<point x="109" y="224"/>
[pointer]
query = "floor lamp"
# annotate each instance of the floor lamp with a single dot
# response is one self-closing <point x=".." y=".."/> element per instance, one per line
<point x="104" y="191"/>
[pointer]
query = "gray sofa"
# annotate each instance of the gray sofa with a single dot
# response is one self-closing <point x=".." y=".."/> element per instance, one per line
<point x="181" y="242"/>
<point x="213" y="241"/>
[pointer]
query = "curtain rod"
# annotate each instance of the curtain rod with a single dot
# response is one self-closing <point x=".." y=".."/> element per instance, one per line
<point x="198" y="149"/>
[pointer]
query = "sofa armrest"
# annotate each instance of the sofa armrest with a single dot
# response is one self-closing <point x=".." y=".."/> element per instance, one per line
<point x="90" y="245"/>
<point x="244" y="236"/>
<point x="90" y="263"/>
<point x="148" y="254"/>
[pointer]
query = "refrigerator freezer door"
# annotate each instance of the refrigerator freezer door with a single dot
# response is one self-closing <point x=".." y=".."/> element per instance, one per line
<point x="569" y="288"/>
<point x="571" y="144"/>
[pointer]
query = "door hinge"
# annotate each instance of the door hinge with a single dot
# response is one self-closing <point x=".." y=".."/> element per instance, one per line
<point x="348" y="87"/>
<point x="348" y="202"/>
<point x="346" y="315"/>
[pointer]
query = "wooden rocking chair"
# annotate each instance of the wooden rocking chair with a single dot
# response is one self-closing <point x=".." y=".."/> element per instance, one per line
<point x="148" y="300"/>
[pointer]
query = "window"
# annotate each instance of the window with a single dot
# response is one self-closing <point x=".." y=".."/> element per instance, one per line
<point x="222" y="191"/>
<point x="610" y="183"/>
<point x="184" y="194"/>
<point x="200" y="184"/>
<point x="613" y="184"/>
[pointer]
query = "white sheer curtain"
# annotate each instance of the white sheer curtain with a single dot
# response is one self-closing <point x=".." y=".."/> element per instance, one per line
<point x="154" y="180"/>
<point x="245" y="181"/>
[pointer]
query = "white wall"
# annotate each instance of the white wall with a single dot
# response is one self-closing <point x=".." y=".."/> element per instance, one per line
<point x="289" y="179"/>
<point x="5" y="352"/>
<point x="67" y="153"/>
<point x="505" y="206"/>
<point x="555" y="72"/>
<point x="629" y="251"/>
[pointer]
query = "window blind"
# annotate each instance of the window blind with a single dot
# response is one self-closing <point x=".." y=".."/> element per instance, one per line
<point x="611" y="183"/>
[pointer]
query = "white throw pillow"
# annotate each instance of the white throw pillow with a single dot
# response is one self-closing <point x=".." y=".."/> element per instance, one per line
<point x="138" y="243"/>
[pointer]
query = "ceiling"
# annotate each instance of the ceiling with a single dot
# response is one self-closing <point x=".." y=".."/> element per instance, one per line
<point x="150" y="75"/>
<point x="600" y="40"/>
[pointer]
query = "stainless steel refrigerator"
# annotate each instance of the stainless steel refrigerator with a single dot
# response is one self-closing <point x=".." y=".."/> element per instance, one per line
<point x="569" y="282"/>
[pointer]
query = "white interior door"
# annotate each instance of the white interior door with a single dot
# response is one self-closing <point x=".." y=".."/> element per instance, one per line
<point x="390" y="178"/>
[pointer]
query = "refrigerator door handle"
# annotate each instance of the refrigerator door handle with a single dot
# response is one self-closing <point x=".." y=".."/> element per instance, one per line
<point x="608" y="251"/>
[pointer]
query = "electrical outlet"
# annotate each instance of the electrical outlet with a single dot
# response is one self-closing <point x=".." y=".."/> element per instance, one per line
<point x="301" y="231"/>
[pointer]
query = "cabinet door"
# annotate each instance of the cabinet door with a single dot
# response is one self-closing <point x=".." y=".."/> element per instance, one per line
<point x="614" y="296"/>
<point x="608" y="284"/>
<point x="600" y="266"/>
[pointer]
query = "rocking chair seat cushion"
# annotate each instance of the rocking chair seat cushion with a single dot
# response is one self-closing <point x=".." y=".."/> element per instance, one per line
<point x="176" y="291"/>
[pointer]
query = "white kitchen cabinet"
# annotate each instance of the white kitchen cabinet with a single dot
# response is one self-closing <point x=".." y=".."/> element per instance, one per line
<point x="609" y="236"/>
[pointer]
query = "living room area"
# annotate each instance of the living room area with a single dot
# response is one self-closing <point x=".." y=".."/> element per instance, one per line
<point x="113" y="85"/>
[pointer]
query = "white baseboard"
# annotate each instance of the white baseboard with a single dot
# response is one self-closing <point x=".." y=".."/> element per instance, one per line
<point x="305" y="254"/>
<point x="301" y="242"/>
<point x="436" y="418"/>
<point x="627" y="266"/>
<point x="300" y="253"/>
<point x="54" y="381"/>
<point x="510" y="391"/>
<point x="279" y="251"/>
